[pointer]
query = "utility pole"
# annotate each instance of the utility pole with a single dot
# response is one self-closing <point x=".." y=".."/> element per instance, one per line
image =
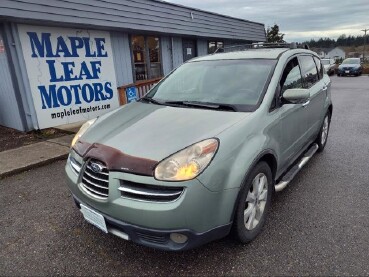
<point x="365" y="30"/>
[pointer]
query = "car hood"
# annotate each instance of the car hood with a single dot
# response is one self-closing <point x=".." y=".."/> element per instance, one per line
<point x="154" y="131"/>
<point x="349" y="66"/>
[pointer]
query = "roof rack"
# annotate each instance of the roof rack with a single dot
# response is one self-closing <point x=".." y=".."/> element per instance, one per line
<point x="260" y="45"/>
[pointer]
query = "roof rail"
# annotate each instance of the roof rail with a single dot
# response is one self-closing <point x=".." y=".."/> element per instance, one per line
<point x="260" y="45"/>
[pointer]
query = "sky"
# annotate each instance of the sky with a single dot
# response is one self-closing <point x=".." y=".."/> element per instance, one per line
<point x="299" y="20"/>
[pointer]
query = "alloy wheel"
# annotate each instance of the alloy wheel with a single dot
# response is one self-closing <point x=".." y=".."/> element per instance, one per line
<point x="325" y="129"/>
<point x="256" y="201"/>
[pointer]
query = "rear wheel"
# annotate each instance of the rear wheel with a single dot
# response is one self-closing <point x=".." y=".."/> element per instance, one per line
<point x="322" y="138"/>
<point x="253" y="203"/>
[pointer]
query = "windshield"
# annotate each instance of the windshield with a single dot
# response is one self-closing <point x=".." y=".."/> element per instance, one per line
<point x="325" y="62"/>
<point x="351" y="61"/>
<point x="239" y="83"/>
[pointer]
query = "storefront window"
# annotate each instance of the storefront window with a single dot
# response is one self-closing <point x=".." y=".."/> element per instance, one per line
<point x="214" y="45"/>
<point x="139" y="53"/>
<point x="146" y="57"/>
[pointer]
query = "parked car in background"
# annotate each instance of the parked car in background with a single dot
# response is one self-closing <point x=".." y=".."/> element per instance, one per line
<point x="201" y="154"/>
<point x="351" y="66"/>
<point x="329" y="66"/>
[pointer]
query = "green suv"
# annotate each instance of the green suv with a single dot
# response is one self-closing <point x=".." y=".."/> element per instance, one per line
<point x="201" y="154"/>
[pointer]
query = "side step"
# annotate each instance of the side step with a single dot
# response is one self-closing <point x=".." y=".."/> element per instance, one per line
<point x="287" y="178"/>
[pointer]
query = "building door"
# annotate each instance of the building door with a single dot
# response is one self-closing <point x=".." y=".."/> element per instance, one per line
<point x="189" y="49"/>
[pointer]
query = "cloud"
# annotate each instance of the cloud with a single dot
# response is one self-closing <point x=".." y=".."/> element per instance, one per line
<point x="298" y="19"/>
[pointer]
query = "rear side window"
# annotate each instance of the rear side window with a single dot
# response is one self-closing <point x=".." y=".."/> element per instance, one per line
<point x="309" y="71"/>
<point x="319" y="66"/>
<point x="291" y="77"/>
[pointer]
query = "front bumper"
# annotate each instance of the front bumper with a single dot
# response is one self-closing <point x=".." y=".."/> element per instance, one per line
<point x="200" y="214"/>
<point x="348" y="71"/>
<point x="160" y="239"/>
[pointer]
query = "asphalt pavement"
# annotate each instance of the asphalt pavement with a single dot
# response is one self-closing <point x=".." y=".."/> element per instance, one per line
<point x="319" y="225"/>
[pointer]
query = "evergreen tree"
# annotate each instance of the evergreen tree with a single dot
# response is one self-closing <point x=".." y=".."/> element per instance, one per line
<point x="273" y="34"/>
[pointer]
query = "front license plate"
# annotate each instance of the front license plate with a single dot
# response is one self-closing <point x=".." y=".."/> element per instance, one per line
<point x="347" y="71"/>
<point x="94" y="218"/>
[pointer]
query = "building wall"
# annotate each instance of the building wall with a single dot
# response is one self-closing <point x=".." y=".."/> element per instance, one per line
<point x="202" y="47"/>
<point x="336" y="53"/>
<point x="122" y="58"/>
<point x="177" y="51"/>
<point x="9" y="110"/>
<point x="145" y="15"/>
<point x="166" y="54"/>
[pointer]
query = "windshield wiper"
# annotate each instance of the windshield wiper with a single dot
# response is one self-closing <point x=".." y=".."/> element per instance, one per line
<point x="206" y="105"/>
<point x="152" y="101"/>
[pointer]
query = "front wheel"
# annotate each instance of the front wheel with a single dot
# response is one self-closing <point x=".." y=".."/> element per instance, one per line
<point x="253" y="203"/>
<point x="322" y="138"/>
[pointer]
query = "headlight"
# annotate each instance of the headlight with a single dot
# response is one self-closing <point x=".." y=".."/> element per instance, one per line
<point x="83" y="130"/>
<point x="187" y="163"/>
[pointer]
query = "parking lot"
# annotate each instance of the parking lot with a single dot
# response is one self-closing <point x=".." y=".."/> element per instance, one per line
<point x="319" y="225"/>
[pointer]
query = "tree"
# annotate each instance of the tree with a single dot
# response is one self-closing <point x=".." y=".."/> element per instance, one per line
<point x="273" y="34"/>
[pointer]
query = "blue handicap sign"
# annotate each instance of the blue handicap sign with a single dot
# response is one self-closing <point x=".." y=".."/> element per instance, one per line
<point x="131" y="94"/>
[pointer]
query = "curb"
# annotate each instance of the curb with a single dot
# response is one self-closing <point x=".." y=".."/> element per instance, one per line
<point x="15" y="161"/>
<point x="32" y="166"/>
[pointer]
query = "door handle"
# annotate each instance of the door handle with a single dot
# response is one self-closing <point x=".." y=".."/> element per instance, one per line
<point x="325" y="88"/>
<point x="306" y="103"/>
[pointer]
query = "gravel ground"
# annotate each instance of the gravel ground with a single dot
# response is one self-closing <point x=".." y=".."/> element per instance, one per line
<point x="319" y="225"/>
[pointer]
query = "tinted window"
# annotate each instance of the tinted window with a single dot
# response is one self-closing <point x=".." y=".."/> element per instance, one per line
<point x="319" y="66"/>
<point x="291" y="77"/>
<point x="237" y="82"/>
<point x="309" y="72"/>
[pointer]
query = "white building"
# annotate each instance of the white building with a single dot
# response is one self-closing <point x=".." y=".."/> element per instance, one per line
<point x="331" y="53"/>
<point x="336" y="53"/>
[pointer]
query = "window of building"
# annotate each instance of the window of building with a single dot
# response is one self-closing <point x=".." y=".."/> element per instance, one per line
<point x="214" y="45"/>
<point x="146" y="57"/>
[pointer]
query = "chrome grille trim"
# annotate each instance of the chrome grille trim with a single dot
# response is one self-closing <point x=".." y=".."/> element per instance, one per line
<point x="145" y="193"/>
<point x="94" y="177"/>
<point x="149" y="193"/>
<point x="92" y="194"/>
<point x="95" y="184"/>
<point x="76" y="166"/>
<point x="97" y="192"/>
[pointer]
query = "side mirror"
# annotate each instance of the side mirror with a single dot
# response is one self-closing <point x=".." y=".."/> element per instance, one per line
<point x="296" y="95"/>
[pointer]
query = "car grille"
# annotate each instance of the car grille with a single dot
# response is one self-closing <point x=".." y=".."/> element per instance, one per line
<point x="157" y="239"/>
<point x="148" y="192"/>
<point x="96" y="183"/>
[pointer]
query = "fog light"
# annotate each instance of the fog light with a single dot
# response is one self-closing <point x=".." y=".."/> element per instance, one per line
<point x="178" y="238"/>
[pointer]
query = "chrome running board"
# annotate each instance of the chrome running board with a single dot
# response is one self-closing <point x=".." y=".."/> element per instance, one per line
<point x="288" y="177"/>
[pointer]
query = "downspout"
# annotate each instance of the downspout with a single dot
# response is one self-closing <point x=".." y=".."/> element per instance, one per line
<point x="172" y="53"/>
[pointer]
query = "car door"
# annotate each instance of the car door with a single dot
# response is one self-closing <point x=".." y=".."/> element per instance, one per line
<point x="292" y="126"/>
<point x="314" y="82"/>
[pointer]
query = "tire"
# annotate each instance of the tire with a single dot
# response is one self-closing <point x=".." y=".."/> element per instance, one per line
<point x="338" y="75"/>
<point x="321" y="140"/>
<point x="250" y="205"/>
